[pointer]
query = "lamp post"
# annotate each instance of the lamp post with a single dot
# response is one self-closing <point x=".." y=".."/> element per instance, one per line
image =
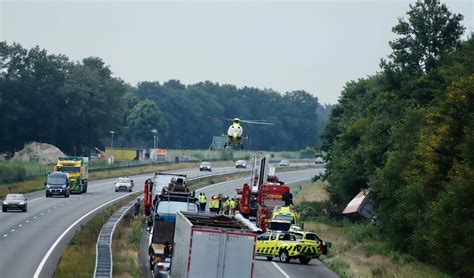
<point x="112" y="142"/>
<point x="155" y="136"/>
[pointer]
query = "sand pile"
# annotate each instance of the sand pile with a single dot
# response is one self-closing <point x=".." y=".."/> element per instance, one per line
<point x="39" y="152"/>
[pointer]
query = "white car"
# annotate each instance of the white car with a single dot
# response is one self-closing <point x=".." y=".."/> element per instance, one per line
<point x="124" y="184"/>
<point x="284" y="163"/>
<point x="205" y="166"/>
<point x="241" y="164"/>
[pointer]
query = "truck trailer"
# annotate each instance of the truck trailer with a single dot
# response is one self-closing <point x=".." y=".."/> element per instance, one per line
<point x="209" y="245"/>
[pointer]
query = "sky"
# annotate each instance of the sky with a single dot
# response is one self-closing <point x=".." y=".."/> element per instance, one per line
<point x="316" y="46"/>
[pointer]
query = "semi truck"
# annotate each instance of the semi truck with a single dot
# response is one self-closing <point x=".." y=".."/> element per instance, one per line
<point x="164" y="218"/>
<point x="209" y="245"/>
<point x="78" y="170"/>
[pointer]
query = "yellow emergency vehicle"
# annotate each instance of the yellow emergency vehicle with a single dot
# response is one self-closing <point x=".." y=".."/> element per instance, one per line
<point x="313" y="239"/>
<point x="285" y="246"/>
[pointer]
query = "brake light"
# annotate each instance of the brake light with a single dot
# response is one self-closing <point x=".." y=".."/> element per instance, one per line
<point x="161" y="266"/>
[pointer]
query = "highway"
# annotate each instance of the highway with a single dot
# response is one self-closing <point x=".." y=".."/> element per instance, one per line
<point x="276" y="269"/>
<point x="26" y="238"/>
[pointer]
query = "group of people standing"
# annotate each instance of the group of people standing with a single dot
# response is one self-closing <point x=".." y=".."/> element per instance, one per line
<point x="220" y="204"/>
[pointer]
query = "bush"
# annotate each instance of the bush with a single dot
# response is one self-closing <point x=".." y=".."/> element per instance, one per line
<point x="312" y="209"/>
<point x="308" y="152"/>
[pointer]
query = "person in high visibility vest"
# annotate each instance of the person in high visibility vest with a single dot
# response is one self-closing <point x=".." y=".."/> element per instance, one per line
<point x="225" y="207"/>
<point x="232" y="206"/>
<point x="202" y="201"/>
<point x="214" y="205"/>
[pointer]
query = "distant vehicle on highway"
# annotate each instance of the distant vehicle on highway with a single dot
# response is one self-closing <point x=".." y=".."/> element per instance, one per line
<point x="57" y="183"/>
<point x="319" y="161"/>
<point x="123" y="184"/>
<point x="241" y="164"/>
<point x="284" y="163"/>
<point x="14" y="202"/>
<point x="205" y="166"/>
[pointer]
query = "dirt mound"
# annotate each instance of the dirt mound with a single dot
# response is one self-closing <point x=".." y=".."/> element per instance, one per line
<point x="39" y="152"/>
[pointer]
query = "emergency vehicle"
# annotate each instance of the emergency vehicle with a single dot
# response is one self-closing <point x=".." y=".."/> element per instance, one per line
<point x="285" y="246"/>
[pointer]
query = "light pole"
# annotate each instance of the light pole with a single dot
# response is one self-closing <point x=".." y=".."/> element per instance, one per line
<point x="112" y="142"/>
<point x="155" y="136"/>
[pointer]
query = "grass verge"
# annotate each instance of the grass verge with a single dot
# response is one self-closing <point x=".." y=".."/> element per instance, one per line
<point x="358" y="249"/>
<point x="78" y="259"/>
<point x="125" y="245"/>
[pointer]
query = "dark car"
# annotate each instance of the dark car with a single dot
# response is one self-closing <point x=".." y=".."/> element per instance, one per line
<point x="205" y="166"/>
<point x="57" y="183"/>
<point x="14" y="202"/>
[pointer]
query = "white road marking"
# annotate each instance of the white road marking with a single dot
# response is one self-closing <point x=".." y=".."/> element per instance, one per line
<point x="46" y="256"/>
<point x="281" y="270"/>
<point x="12" y="230"/>
<point x="20" y="225"/>
<point x="42" y="213"/>
<point x="55" y="207"/>
<point x="49" y="210"/>
<point x="5" y="235"/>
<point x="27" y="221"/>
<point x="35" y="217"/>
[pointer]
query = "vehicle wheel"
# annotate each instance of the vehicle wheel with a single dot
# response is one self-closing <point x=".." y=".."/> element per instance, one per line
<point x="24" y="210"/>
<point x="304" y="260"/>
<point x="67" y="195"/>
<point x="269" y="258"/>
<point x="4" y="210"/>
<point x="47" y="195"/>
<point x="284" y="257"/>
<point x="116" y="190"/>
<point x="130" y="190"/>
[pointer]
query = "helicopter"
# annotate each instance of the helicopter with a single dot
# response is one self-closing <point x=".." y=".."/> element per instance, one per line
<point x="235" y="130"/>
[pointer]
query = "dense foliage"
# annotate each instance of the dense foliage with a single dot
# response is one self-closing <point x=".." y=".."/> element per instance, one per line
<point x="74" y="105"/>
<point x="295" y="114"/>
<point x="407" y="134"/>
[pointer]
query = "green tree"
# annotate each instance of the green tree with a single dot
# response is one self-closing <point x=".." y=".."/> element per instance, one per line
<point x="144" y="117"/>
<point x="430" y="32"/>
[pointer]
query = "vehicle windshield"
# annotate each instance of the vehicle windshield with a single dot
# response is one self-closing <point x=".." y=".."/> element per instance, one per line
<point x="174" y="207"/>
<point x="240" y="162"/>
<point x="69" y="169"/>
<point x="56" y="180"/>
<point x="288" y="218"/>
<point x="206" y="164"/>
<point x="287" y="237"/>
<point x="14" y="197"/>
<point x="123" y="180"/>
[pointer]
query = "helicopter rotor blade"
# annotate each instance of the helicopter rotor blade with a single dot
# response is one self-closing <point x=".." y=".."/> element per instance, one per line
<point x="257" y="122"/>
<point x="217" y="117"/>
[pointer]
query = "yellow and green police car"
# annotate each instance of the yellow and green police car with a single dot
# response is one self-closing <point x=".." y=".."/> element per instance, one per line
<point x="313" y="239"/>
<point x="285" y="246"/>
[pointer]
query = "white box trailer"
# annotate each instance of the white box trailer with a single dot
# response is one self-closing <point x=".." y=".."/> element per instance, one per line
<point x="208" y="245"/>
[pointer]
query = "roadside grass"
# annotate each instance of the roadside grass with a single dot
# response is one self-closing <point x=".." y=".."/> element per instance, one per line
<point x="38" y="182"/>
<point x="125" y="245"/>
<point x="358" y="249"/>
<point x="78" y="259"/>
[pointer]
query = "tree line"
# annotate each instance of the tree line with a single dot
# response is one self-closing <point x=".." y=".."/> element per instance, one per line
<point x="407" y="135"/>
<point x="75" y="104"/>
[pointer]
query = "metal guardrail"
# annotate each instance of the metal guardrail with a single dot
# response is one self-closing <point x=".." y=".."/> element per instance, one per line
<point x="104" y="261"/>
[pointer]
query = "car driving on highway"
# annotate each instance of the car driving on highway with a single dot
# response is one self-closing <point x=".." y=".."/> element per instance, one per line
<point x="284" y="163"/>
<point x="241" y="164"/>
<point x="205" y="166"/>
<point x="123" y="184"/>
<point x="57" y="183"/>
<point x="14" y="202"/>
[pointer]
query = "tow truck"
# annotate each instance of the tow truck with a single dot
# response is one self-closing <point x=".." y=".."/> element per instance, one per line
<point x="263" y="193"/>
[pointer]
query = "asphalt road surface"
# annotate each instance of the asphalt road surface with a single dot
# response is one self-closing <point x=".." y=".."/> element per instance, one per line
<point x="31" y="243"/>
<point x="276" y="269"/>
